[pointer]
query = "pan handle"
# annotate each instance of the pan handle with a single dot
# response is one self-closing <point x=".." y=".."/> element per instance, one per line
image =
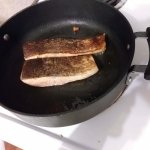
<point x="147" y="71"/>
<point x="144" y="67"/>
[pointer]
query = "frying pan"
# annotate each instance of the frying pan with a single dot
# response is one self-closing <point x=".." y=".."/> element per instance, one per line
<point x="77" y="101"/>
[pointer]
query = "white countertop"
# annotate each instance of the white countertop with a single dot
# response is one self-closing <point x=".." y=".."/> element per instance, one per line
<point x="10" y="7"/>
<point x="123" y="126"/>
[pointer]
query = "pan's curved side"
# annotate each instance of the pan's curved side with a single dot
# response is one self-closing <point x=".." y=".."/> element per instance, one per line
<point x="79" y="115"/>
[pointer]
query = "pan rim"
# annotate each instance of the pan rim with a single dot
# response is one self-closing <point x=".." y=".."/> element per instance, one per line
<point x="77" y="109"/>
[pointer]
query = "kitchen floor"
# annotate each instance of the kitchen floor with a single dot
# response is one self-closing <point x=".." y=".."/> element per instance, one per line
<point x="11" y="147"/>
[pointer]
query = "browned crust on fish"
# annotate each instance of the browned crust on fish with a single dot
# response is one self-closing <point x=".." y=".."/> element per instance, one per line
<point x="57" y="71"/>
<point x="61" y="47"/>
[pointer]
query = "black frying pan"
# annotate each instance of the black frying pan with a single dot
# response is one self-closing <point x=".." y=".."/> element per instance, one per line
<point x="73" y="102"/>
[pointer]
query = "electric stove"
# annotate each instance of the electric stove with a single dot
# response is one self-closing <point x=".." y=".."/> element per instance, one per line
<point x="123" y="126"/>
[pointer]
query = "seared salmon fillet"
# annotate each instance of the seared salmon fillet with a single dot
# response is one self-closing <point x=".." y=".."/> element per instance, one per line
<point x="61" y="47"/>
<point x="57" y="71"/>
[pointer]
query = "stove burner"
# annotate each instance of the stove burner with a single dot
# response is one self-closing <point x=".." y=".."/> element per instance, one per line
<point x="115" y="3"/>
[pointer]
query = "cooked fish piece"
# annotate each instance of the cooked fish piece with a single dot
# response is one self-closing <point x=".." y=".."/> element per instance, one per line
<point x="61" y="47"/>
<point x="57" y="71"/>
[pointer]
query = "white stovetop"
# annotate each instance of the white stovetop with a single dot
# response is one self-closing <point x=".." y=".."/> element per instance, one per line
<point x="124" y="126"/>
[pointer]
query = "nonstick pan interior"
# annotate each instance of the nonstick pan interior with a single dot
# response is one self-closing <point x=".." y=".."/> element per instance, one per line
<point x="113" y="64"/>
